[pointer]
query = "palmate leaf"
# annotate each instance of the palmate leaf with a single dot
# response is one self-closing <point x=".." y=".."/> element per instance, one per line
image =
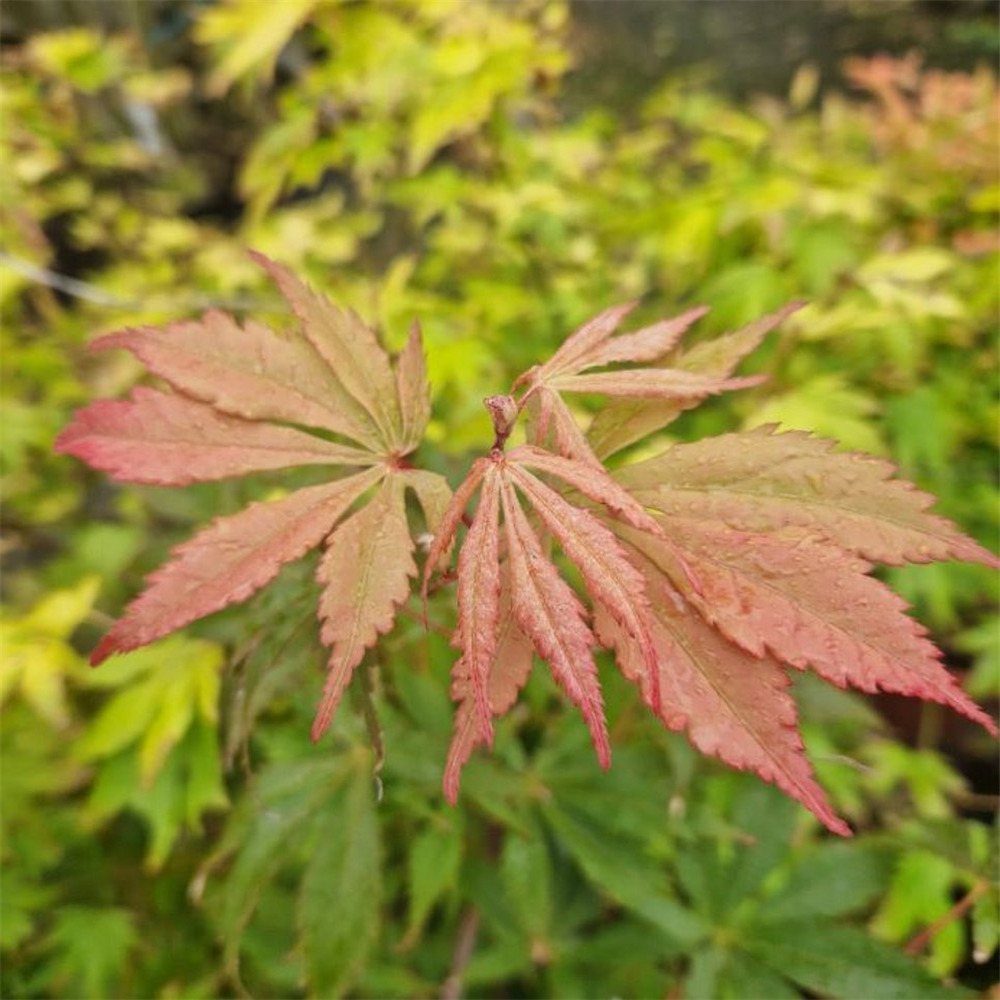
<point x="237" y="391"/>
<point x="762" y="481"/>
<point x="509" y="672"/>
<point x="167" y="440"/>
<point x="250" y="372"/>
<point x="550" y="614"/>
<point x="624" y="421"/>
<point x="811" y="605"/>
<point x="711" y="571"/>
<point x="479" y="595"/>
<point x="365" y="573"/>
<point x="744" y="556"/>
<point x="730" y="704"/>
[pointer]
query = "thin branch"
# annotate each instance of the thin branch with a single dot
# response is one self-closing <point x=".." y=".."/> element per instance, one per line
<point x="924" y="938"/>
<point x="465" y="943"/>
<point x="151" y="303"/>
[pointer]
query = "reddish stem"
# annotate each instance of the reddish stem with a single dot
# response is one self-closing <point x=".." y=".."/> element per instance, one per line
<point x="924" y="938"/>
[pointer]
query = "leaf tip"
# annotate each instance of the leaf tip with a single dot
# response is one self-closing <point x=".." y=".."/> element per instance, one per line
<point x="320" y="724"/>
<point x="261" y="259"/>
<point x="105" y="648"/>
<point x="452" y="777"/>
<point x="836" y="825"/>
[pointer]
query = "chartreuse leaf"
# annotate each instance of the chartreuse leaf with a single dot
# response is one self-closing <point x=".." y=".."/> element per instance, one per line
<point x="622" y="953"/>
<point x="34" y="836"/>
<point x="702" y="979"/>
<point x="829" y="406"/>
<point x="340" y="899"/>
<point x="37" y="656"/>
<point x="177" y="683"/>
<point x="920" y="894"/>
<point x="842" y="962"/>
<point x="986" y="924"/>
<point x="187" y="785"/>
<point x="980" y="641"/>
<point x="930" y="781"/>
<point x="264" y="833"/>
<point x="90" y="949"/>
<point x="720" y="873"/>
<point x="248" y="36"/>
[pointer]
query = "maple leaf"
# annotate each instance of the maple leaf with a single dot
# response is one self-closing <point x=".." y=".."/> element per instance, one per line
<point x="594" y="345"/>
<point x="507" y="608"/>
<point x="624" y="421"/>
<point x="711" y="569"/>
<point x="248" y="399"/>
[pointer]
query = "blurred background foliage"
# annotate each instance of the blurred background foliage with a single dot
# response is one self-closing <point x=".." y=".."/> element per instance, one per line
<point x="503" y="171"/>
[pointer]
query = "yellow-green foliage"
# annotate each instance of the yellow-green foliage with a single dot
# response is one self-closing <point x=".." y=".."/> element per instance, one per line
<point x="415" y="158"/>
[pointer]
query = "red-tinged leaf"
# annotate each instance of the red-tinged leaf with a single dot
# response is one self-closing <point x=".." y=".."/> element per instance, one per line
<point x="583" y="342"/>
<point x="731" y="705"/>
<point x="720" y="355"/>
<point x="451" y="519"/>
<point x="652" y="383"/>
<point x="812" y="605"/>
<point x="611" y="579"/>
<point x="365" y="575"/>
<point x="349" y="347"/>
<point x="251" y="372"/>
<point x="592" y="481"/>
<point x="170" y="440"/>
<point x="538" y="425"/>
<point x="551" y="615"/>
<point x="642" y="346"/>
<point x="554" y="417"/>
<point x="511" y="667"/>
<point x="624" y="421"/>
<point x="433" y="494"/>
<point x="413" y="390"/>
<point x="479" y="597"/>
<point x="762" y="481"/>
<point x="235" y="556"/>
<point x="596" y="483"/>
